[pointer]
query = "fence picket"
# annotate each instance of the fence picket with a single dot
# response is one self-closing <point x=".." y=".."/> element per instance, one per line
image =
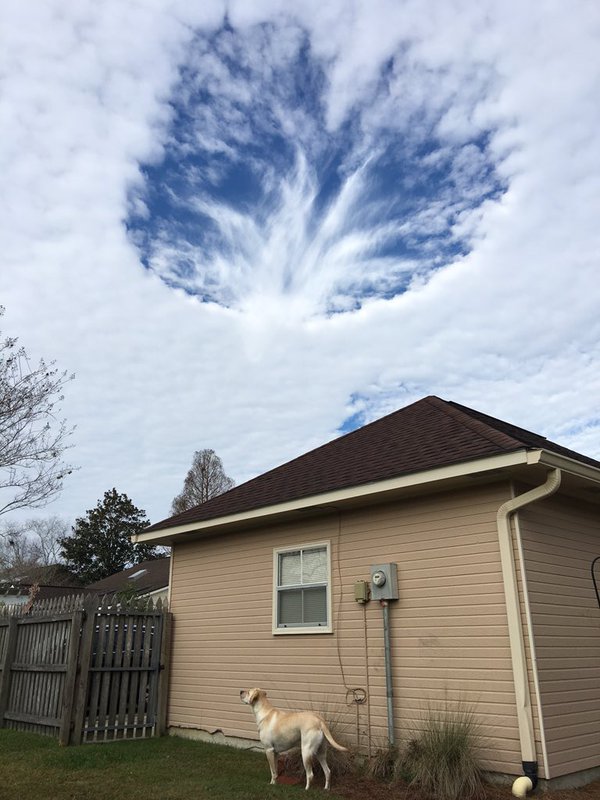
<point x="105" y="674"/>
<point x="85" y="656"/>
<point x="116" y="676"/>
<point x="132" y="701"/>
<point x="9" y="651"/>
<point x="162" y="687"/>
<point x="68" y="694"/>
<point x="125" y="679"/>
<point x="145" y="676"/>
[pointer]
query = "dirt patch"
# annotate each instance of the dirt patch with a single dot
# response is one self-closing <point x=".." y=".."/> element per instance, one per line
<point x="352" y="786"/>
<point x="360" y="788"/>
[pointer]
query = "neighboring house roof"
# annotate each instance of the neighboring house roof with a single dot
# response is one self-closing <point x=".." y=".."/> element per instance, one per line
<point x="145" y="577"/>
<point x="424" y="435"/>
<point x="11" y="590"/>
<point x="44" y="575"/>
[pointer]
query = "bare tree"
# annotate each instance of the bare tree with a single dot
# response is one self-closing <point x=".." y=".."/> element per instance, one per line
<point x="26" y="548"/>
<point x="205" y="479"/>
<point x="46" y="533"/>
<point x="32" y="435"/>
<point x="17" y="553"/>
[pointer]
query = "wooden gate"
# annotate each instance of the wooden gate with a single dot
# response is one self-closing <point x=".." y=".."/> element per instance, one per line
<point x="85" y="669"/>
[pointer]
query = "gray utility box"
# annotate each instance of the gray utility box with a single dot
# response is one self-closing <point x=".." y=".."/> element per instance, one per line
<point x="384" y="582"/>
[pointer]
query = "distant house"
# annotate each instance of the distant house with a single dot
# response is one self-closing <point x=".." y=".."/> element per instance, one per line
<point x="146" y="579"/>
<point x="492" y="530"/>
<point x="17" y="593"/>
<point x="45" y="582"/>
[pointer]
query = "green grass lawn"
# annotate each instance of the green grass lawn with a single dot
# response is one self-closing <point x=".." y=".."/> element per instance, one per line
<point x="35" y="768"/>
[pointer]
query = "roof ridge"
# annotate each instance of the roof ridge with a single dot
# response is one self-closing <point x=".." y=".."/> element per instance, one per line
<point x="481" y="415"/>
<point x="430" y="432"/>
<point x="460" y="413"/>
<point x="24" y="584"/>
<point x="316" y="449"/>
<point x="263" y="475"/>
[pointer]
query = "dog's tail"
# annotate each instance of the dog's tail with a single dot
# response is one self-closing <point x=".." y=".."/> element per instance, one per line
<point x="330" y="738"/>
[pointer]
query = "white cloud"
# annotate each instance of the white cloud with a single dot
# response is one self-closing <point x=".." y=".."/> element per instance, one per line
<point x="510" y="328"/>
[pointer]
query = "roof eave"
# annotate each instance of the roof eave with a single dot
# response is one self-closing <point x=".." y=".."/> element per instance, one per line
<point x="376" y="490"/>
<point x="570" y="465"/>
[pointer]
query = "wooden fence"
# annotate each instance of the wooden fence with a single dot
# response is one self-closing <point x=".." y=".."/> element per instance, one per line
<point x="85" y="669"/>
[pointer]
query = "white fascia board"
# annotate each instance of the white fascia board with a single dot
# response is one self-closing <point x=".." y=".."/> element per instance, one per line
<point x="463" y="469"/>
<point x="569" y="465"/>
<point x="156" y="591"/>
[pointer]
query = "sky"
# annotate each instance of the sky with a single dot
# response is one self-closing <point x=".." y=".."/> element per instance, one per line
<point x="252" y="227"/>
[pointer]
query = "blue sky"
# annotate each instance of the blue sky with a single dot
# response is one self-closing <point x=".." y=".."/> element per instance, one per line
<point x="253" y="226"/>
<point x="254" y="188"/>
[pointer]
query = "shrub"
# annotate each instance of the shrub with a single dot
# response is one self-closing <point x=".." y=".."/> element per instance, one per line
<point x="444" y="760"/>
<point x="383" y="763"/>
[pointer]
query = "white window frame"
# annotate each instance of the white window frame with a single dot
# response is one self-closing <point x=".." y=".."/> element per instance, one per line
<point x="309" y="628"/>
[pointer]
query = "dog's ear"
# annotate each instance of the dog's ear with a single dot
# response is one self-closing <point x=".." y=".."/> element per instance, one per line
<point x="253" y="695"/>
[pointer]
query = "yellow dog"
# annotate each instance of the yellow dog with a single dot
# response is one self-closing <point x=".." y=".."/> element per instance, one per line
<point x="281" y="730"/>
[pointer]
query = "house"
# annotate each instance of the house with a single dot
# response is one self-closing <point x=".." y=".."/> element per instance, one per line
<point x="18" y="593"/>
<point x="37" y="583"/>
<point x="487" y="533"/>
<point x="146" y="579"/>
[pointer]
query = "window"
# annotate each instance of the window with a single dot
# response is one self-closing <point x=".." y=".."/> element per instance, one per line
<point x="301" y="602"/>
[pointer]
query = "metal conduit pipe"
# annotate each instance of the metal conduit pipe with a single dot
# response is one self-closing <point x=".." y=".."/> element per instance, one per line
<point x="389" y="690"/>
<point x="529" y="780"/>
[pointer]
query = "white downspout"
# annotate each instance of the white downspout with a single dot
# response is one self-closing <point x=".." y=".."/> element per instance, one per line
<point x="515" y="629"/>
<point x="532" y="646"/>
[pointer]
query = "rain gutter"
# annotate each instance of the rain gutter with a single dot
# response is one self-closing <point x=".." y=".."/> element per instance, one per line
<point x="515" y="627"/>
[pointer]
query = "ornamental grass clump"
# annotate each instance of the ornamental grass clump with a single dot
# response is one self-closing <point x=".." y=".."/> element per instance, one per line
<point x="444" y="760"/>
<point x="383" y="763"/>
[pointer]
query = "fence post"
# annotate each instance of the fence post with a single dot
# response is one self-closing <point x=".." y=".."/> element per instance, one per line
<point x="66" y="712"/>
<point x="163" y="675"/>
<point x="85" y="655"/>
<point x="9" y="655"/>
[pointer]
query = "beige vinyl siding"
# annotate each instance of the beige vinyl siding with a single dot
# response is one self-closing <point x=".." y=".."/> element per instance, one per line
<point x="449" y="631"/>
<point x="560" y="539"/>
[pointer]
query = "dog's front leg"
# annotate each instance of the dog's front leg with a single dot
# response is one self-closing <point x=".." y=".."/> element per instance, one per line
<point x="272" y="759"/>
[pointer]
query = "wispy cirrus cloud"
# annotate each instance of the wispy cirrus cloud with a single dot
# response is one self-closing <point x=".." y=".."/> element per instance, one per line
<point x="260" y="205"/>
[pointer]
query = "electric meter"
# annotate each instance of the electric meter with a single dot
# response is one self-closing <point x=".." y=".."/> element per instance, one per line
<point x="384" y="580"/>
<point x="378" y="578"/>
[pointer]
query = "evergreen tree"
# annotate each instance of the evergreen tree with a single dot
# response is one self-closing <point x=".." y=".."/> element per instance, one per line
<point x="101" y="541"/>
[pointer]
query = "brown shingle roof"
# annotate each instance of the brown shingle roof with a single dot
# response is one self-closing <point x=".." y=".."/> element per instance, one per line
<point x="10" y="590"/>
<point x="147" y="576"/>
<point x="426" y="434"/>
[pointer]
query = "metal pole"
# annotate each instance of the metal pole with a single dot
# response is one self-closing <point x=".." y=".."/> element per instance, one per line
<point x="388" y="671"/>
